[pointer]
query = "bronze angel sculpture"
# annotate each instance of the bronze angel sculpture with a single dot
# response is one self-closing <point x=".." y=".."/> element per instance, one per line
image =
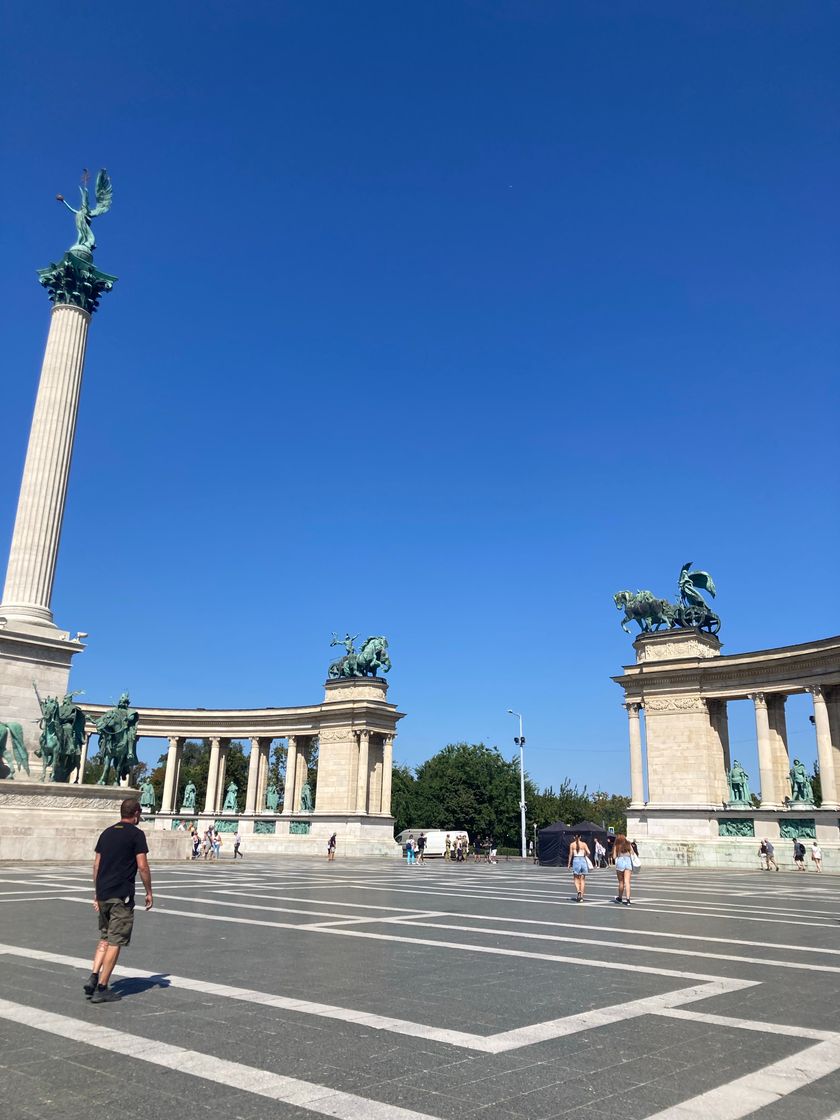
<point x="85" y="242"/>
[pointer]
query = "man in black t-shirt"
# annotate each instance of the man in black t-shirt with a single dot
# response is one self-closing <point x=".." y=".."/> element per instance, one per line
<point x="121" y="852"/>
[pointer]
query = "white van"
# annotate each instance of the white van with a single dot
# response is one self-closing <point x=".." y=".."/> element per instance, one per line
<point x="435" y="839"/>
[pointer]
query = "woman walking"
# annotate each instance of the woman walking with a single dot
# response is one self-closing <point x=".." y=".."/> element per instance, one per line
<point x="816" y="856"/>
<point x="578" y="861"/>
<point x="623" y="868"/>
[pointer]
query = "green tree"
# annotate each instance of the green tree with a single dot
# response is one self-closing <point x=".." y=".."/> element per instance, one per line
<point x="469" y="785"/>
<point x="403" y="798"/>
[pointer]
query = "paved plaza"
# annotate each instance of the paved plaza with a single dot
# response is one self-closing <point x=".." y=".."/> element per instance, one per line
<point x="296" y="989"/>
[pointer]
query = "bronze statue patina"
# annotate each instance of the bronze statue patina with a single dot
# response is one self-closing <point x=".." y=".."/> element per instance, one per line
<point x="188" y="800"/>
<point x="800" y="783"/>
<point x="306" y="798"/>
<point x="62" y="726"/>
<point x="230" y="805"/>
<point x="739" y="785"/>
<point x="12" y="749"/>
<point x="118" y="740"/>
<point x="148" y="802"/>
<point x="690" y="611"/>
<point x="272" y="798"/>
<point x="362" y="663"/>
<point x="85" y="242"/>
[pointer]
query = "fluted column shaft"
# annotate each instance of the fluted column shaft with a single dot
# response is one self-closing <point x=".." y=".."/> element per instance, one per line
<point x="825" y="754"/>
<point x="212" y="776"/>
<point x="262" y="773"/>
<point x="170" y="778"/>
<point x="637" y="762"/>
<point x="769" y="794"/>
<point x="40" y="512"/>
<point x="253" y="777"/>
<point x="362" y="784"/>
<point x="289" y="792"/>
<point x="80" y="772"/>
<point x="387" y="770"/>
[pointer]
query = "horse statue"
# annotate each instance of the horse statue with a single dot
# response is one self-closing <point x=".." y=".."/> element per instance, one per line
<point x="643" y="608"/>
<point x="118" y="740"/>
<point x="12" y="733"/>
<point x="360" y="663"/>
<point x="62" y="734"/>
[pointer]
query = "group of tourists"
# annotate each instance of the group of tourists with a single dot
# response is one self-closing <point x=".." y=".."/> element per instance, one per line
<point x="208" y="844"/>
<point x="624" y="854"/>
<point x="767" y="855"/>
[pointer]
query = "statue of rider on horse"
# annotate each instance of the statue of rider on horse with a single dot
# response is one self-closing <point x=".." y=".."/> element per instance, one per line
<point x="359" y="663"/>
<point x="690" y="612"/>
<point x="62" y="726"/>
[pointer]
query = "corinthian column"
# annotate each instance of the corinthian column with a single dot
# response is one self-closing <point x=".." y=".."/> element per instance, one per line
<point x="290" y="787"/>
<point x="387" y="771"/>
<point x="825" y="754"/>
<point x="769" y="794"/>
<point x="75" y="286"/>
<point x="362" y="784"/>
<point x="637" y="764"/>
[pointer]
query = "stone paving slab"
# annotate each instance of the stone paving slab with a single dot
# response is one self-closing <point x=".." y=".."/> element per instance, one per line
<point x="356" y="937"/>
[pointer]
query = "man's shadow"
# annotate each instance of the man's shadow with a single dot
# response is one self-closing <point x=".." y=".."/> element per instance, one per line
<point x="136" y="985"/>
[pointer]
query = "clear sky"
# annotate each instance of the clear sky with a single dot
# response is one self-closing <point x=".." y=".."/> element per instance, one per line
<point x="443" y="321"/>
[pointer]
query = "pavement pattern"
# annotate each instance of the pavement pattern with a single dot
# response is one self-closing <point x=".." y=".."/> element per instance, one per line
<point x="298" y="989"/>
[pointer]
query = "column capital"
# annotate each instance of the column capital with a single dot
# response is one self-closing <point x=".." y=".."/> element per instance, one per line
<point x="75" y="282"/>
<point x="816" y="690"/>
<point x="758" y="698"/>
<point x="633" y="707"/>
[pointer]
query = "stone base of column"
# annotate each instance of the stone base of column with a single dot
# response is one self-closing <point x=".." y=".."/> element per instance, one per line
<point x="26" y="657"/>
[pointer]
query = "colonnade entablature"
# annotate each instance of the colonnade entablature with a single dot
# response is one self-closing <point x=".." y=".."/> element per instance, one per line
<point x="682" y="683"/>
<point x="355" y="728"/>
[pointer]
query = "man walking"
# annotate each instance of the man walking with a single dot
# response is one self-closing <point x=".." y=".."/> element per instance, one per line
<point x="237" y="840"/>
<point x="121" y="851"/>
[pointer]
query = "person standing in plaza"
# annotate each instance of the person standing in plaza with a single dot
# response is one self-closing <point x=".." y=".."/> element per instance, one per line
<point x="799" y="855"/>
<point x="237" y="841"/>
<point x="409" y="849"/>
<point x="491" y="858"/>
<point x="121" y="852"/>
<point x="421" y="848"/>
<point x="816" y="856"/>
<point x="770" y="855"/>
<point x="623" y="852"/>
<point x="578" y="853"/>
<point x="447" y="848"/>
<point x="331" y="846"/>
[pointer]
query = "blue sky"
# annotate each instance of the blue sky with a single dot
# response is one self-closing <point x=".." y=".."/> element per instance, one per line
<point x="443" y="321"/>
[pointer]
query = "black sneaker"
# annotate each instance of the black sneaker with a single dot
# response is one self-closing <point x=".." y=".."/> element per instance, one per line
<point x="617" y="898"/>
<point x="625" y="902"/>
<point x="90" y="985"/>
<point x="105" y="995"/>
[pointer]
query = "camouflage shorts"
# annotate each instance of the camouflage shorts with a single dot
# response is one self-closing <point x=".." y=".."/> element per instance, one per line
<point x="116" y="919"/>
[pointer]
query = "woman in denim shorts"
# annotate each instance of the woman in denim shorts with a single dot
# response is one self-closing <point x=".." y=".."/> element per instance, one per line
<point x="623" y="851"/>
<point x="578" y="855"/>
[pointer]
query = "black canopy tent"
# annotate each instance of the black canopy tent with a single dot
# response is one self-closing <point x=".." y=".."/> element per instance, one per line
<point x="555" y="840"/>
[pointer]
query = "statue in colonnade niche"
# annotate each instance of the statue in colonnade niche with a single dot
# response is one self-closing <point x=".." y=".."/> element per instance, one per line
<point x="148" y="803"/>
<point x="272" y="798"/>
<point x="739" y="785"/>
<point x="230" y="799"/>
<point x="306" y="798"/>
<point x="800" y="783"/>
<point x="188" y="801"/>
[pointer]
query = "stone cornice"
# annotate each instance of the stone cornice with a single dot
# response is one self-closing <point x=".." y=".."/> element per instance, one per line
<point x="786" y="669"/>
<point x="263" y="723"/>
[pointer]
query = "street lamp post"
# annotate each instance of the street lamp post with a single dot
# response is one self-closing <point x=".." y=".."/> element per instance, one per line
<point x="520" y="742"/>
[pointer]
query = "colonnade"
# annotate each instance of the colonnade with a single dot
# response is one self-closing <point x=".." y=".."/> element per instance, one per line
<point x="771" y="735"/>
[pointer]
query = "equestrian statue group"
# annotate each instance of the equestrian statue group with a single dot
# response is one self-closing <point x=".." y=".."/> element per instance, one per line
<point x="359" y="663"/>
<point x="691" y="611"/>
<point x="63" y="727"/>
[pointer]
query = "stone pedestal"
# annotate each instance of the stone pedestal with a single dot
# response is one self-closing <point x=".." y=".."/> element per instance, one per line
<point x="55" y="822"/>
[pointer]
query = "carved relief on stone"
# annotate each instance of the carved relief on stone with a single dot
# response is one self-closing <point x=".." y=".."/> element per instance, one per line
<point x="336" y="735"/>
<point x="670" y="651"/>
<point x="675" y="704"/>
<point x="45" y="801"/>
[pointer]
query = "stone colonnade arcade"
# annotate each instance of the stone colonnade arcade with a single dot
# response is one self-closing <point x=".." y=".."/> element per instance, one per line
<point x="682" y="683"/>
<point x="355" y="728"/>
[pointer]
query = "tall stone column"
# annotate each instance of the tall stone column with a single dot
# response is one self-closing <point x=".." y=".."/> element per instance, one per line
<point x="825" y="753"/>
<point x="387" y="773"/>
<point x="362" y="781"/>
<point x="75" y="287"/>
<point x="769" y="794"/>
<point x="637" y="762"/>
<point x="290" y="791"/>
<point x="262" y="774"/>
<point x="210" y="804"/>
<point x="80" y="772"/>
<point x="253" y="777"/>
<point x="221" y="777"/>
<point x="778" y="744"/>
<point x="170" y="777"/>
<point x="832" y="701"/>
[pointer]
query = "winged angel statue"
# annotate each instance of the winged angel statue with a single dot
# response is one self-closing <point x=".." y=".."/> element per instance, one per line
<point x="85" y="242"/>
